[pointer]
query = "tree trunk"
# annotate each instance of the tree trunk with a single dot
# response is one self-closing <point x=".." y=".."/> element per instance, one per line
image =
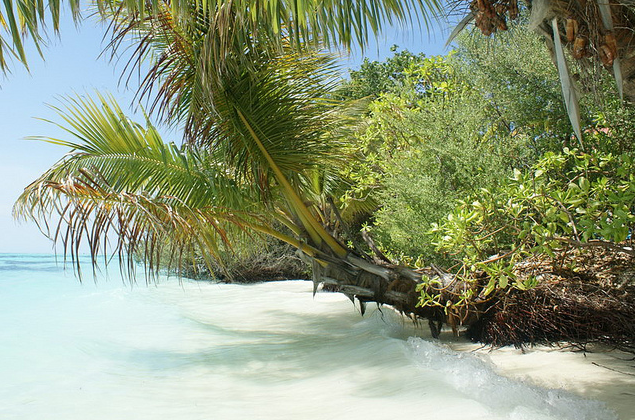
<point x="563" y="307"/>
<point x="398" y="287"/>
<point x="628" y="72"/>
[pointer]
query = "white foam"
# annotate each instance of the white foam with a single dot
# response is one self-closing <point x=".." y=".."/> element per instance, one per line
<point x="476" y="378"/>
<point x="229" y="352"/>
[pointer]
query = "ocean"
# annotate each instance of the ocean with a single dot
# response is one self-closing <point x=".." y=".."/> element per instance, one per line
<point x="188" y="350"/>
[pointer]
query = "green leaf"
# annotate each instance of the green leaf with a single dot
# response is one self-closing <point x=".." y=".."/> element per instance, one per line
<point x="584" y="183"/>
<point x="491" y="285"/>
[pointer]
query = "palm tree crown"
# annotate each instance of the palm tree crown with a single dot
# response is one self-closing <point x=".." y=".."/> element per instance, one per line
<point x="301" y="22"/>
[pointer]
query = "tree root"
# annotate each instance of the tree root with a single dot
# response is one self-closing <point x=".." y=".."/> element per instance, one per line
<point x="560" y="311"/>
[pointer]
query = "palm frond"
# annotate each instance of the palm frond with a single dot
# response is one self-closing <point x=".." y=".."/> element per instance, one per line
<point x="271" y="125"/>
<point x="306" y="22"/>
<point x="131" y="225"/>
<point x="130" y="157"/>
<point x="568" y="89"/>
<point x="469" y="17"/>
<point x="120" y="178"/>
<point x="26" y="19"/>
<point x="309" y="23"/>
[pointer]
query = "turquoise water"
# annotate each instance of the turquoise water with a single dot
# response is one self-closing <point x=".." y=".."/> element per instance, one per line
<point x="198" y="350"/>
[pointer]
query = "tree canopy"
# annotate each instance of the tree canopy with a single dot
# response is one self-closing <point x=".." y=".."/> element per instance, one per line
<point x="456" y="161"/>
<point x="300" y="23"/>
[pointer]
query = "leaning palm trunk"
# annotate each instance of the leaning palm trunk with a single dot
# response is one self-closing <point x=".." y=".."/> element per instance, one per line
<point x="399" y="287"/>
<point x="165" y="205"/>
<point x="263" y="147"/>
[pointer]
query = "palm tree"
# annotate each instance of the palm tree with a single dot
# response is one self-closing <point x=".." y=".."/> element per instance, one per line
<point x="306" y="23"/>
<point x="598" y="35"/>
<point x="263" y="145"/>
<point x="262" y="152"/>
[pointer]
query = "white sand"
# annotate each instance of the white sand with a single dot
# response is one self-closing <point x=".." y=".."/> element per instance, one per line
<point x="600" y="374"/>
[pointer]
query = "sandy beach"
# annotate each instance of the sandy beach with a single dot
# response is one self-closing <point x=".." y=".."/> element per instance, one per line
<point x="602" y="374"/>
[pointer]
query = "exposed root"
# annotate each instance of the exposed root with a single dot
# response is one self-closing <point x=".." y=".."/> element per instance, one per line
<point x="592" y="303"/>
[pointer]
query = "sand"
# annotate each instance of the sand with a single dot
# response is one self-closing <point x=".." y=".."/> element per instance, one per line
<point x="602" y="374"/>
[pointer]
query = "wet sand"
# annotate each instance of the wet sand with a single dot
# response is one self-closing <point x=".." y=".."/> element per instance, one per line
<point x="601" y="374"/>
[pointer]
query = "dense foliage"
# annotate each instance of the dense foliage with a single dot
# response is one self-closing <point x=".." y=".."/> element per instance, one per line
<point x="444" y="127"/>
<point x="465" y="161"/>
<point x="473" y="166"/>
<point x="568" y="200"/>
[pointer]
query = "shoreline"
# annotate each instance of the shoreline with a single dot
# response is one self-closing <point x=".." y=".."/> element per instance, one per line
<point x="601" y="373"/>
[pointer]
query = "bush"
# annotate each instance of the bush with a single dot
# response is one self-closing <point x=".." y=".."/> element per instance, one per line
<point x="423" y="146"/>
<point x="568" y="200"/>
<point x="251" y="259"/>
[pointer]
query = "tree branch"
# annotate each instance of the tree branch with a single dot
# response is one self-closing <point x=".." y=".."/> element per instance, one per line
<point x="597" y="243"/>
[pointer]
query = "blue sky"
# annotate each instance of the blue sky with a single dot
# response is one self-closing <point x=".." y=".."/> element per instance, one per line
<point x="72" y="65"/>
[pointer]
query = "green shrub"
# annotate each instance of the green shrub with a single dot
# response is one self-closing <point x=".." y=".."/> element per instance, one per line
<point x="568" y="200"/>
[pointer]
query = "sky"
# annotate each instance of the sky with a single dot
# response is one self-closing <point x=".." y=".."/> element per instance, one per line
<point x="72" y="65"/>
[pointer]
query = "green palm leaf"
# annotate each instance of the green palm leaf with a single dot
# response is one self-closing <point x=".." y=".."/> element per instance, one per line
<point x="120" y="182"/>
<point x="262" y="110"/>
<point x="306" y="22"/>
<point x="131" y="157"/>
<point x="270" y="124"/>
<point x="120" y="177"/>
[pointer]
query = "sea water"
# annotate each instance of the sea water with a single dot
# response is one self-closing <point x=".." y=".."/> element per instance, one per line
<point x="187" y="350"/>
